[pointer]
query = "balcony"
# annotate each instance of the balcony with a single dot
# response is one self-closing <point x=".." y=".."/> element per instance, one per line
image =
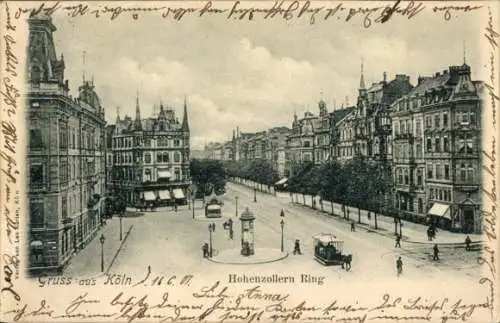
<point x="404" y="136"/>
<point x="67" y="222"/>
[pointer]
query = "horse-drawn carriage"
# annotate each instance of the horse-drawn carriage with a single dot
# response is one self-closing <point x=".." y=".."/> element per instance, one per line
<point x="328" y="251"/>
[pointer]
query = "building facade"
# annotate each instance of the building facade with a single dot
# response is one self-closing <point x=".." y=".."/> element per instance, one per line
<point x="151" y="158"/>
<point x="365" y="131"/>
<point x="65" y="161"/>
<point x="437" y="150"/>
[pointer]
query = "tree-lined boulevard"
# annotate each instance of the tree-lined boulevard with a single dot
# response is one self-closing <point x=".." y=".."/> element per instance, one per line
<point x="170" y="241"/>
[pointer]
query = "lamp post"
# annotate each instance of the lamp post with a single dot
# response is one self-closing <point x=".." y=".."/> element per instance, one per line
<point x="282" y="222"/>
<point x="236" y="211"/>
<point x="101" y="239"/>
<point x="121" y="230"/>
<point x="211" y="228"/>
<point x="193" y="207"/>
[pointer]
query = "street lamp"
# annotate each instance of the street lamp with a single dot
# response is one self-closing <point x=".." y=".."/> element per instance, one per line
<point x="282" y="215"/>
<point x="236" y="206"/>
<point x="193" y="206"/>
<point x="255" y="194"/>
<point x="121" y="231"/>
<point x="211" y="228"/>
<point x="101" y="239"/>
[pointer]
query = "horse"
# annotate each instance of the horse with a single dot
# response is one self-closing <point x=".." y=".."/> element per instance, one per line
<point x="346" y="262"/>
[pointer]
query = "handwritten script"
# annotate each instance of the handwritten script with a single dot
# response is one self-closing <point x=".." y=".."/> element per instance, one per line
<point x="217" y="302"/>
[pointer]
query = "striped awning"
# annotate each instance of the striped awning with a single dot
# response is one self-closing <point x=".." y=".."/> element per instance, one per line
<point x="439" y="209"/>
<point x="149" y="196"/>
<point x="36" y="244"/>
<point x="164" y="195"/>
<point x="163" y="173"/>
<point x="281" y="181"/>
<point x="178" y="194"/>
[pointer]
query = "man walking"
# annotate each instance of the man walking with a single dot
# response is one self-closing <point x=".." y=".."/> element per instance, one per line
<point x="296" y="248"/>
<point x="353" y="228"/>
<point x="399" y="266"/>
<point x="467" y="243"/>
<point x="398" y="241"/>
<point x="435" y="256"/>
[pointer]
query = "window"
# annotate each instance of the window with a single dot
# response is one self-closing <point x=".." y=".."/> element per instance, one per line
<point x="36" y="174"/>
<point x="429" y="144"/>
<point x="470" y="173"/>
<point x="418" y="128"/>
<point x="64" y="207"/>
<point x="64" y="172"/>
<point x="441" y="195"/>
<point x="147" y="158"/>
<point x="418" y="150"/>
<point x="36" y="139"/>
<point x="147" y="142"/>
<point x="177" y="174"/>
<point x="437" y="121"/>
<point x="63" y="135"/>
<point x="419" y="177"/>
<point x="420" y="205"/>
<point x="177" y="142"/>
<point x="307" y="144"/>
<point x="429" y="171"/>
<point x="37" y="219"/>
<point x="406" y="177"/>
<point x="162" y="142"/>
<point x="446" y="144"/>
<point x="465" y="118"/>
<point x="463" y="172"/>
<point x="428" y="122"/>
<point x="177" y="157"/>
<point x="472" y="116"/>
<point x="431" y="193"/>
<point x="162" y="157"/>
<point x="396" y="128"/>
<point x="446" y="171"/>
<point x="400" y="176"/>
<point x="437" y="146"/>
<point x="438" y="172"/>
<point x="445" y="120"/>
<point x="402" y="127"/>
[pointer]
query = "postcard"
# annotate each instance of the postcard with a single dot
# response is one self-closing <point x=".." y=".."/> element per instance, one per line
<point x="249" y="161"/>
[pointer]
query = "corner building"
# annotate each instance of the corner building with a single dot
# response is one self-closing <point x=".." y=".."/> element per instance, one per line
<point x="151" y="158"/>
<point x="437" y="150"/>
<point x="65" y="156"/>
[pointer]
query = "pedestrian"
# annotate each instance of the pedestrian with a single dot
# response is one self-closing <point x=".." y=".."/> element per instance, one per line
<point x="369" y="216"/>
<point x="467" y="243"/>
<point x="353" y="228"/>
<point x="204" y="248"/>
<point x="348" y="214"/>
<point x="296" y="248"/>
<point x="399" y="266"/>
<point x="435" y="256"/>
<point x="398" y="241"/>
<point x="231" y="233"/>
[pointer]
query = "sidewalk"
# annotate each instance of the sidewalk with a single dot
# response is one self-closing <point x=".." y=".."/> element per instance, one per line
<point x="412" y="232"/>
<point x="87" y="263"/>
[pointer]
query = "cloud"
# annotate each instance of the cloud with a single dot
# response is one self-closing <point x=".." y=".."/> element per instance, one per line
<point x="251" y="74"/>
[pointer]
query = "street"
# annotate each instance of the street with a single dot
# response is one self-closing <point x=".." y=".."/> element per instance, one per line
<point x="170" y="241"/>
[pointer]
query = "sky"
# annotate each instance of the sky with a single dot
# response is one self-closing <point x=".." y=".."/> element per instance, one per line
<point x="253" y="74"/>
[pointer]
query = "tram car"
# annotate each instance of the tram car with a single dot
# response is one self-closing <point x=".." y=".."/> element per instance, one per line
<point x="328" y="249"/>
<point x="213" y="208"/>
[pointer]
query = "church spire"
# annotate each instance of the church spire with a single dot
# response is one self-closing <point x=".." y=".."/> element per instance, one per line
<point x="137" y="123"/>
<point x="362" y="80"/>
<point x="117" y="114"/>
<point x="185" y="123"/>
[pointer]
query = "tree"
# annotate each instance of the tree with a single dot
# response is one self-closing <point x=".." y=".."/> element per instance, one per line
<point x="332" y="183"/>
<point x="207" y="175"/>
